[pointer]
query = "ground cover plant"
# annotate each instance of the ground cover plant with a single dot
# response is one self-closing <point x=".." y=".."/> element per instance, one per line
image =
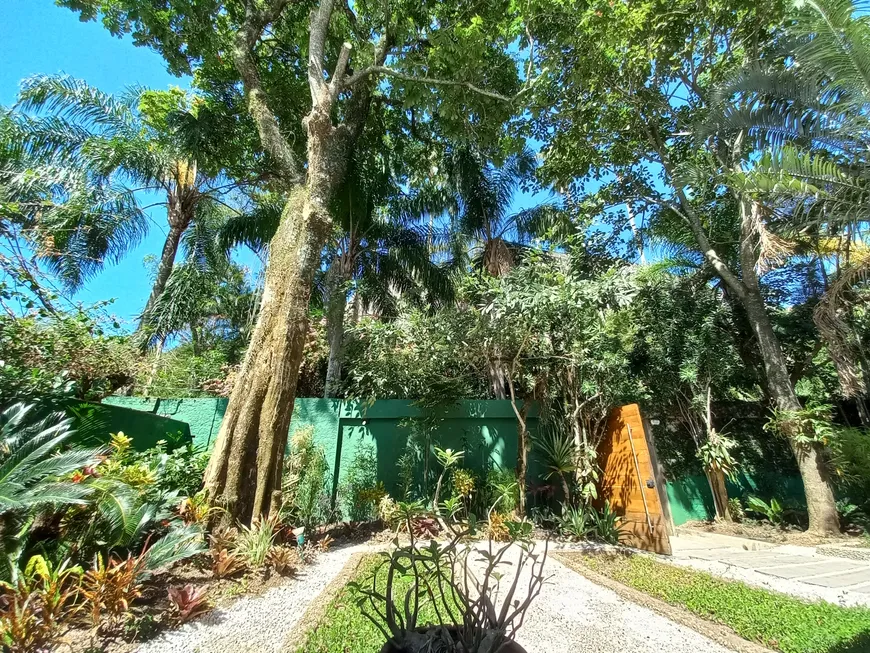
<point x="778" y="621"/>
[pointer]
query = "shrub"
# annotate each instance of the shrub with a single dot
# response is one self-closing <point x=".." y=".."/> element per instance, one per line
<point x="497" y="527"/>
<point x="735" y="509"/>
<point x="255" y="541"/>
<point x="361" y="490"/>
<point x="283" y="559"/>
<point x="304" y="483"/>
<point x="773" y="511"/>
<point x="109" y="588"/>
<point x="463" y="483"/>
<point x="225" y="564"/>
<point x="608" y="528"/>
<point x="36" y="603"/>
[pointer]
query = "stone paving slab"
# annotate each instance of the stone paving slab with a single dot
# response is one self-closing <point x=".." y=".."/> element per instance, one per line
<point x="864" y="589"/>
<point x="802" y="572"/>
<point x="841" y="580"/>
<point x="753" y="560"/>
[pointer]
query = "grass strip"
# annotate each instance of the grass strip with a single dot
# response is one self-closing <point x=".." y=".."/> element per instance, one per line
<point x="345" y="629"/>
<point x="775" y="620"/>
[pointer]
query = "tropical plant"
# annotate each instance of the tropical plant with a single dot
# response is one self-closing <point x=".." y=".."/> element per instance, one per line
<point x="735" y="509"/>
<point x="109" y="587"/>
<point x="255" y="541"/>
<point x="608" y="528"/>
<point x="225" y="564"/>
<point x="559" y="455"/>
<point x="576" y="523"/>
<point x="32" y="473"/>
<point x="283" y="559"/>
<point x="772" y="511"/>
<point x="304" y="482"/>
<point x="131" y="137"/>
<point x="448" y="459"/>
<point x="36" y="604"/>
<point x="189" y="602"/>
<point x="361" y="489"/>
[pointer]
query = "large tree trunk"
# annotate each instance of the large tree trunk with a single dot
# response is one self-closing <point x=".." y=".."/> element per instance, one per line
<point x="821" y="506"/>
<point x="244" y="471"/>
<point x="336" y="305"/>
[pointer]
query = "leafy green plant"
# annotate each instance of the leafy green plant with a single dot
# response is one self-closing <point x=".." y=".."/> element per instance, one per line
<point x="40" y="598"/>
<point x="304" y="482"/>
<point x="773" y="511"/>
<point x="559" y="455"/>
<point x="607" y="528"/>
<point x="361" y="490"/>
<point x="32" y="475"/>
<point x="735" y="509"/>
<point x="576" y="523"/>
<point x="448" y="459"/>
<point x="255" y="541"/>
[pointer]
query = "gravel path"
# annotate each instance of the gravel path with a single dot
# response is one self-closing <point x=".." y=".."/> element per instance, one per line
<point x="255" y="623"/>
<point x="574" y="614"/>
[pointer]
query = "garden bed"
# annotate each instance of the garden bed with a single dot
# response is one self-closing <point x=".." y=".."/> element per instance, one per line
<point x="774" y="620"/>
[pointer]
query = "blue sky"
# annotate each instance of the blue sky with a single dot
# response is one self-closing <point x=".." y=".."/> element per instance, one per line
<point x="38" y="37"/>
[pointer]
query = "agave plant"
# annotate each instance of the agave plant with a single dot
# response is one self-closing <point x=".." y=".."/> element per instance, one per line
<point x="32" y="471"/>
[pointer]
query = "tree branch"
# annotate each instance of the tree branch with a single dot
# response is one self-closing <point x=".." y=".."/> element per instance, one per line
<point x="319" y="28"/>
<point x="243" y="57"/>
<point x="432" y="81"/>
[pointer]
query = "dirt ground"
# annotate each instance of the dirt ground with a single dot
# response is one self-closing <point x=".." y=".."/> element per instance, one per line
<point x="769" y="533"/>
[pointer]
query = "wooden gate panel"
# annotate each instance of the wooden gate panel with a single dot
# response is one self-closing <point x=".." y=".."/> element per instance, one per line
<point x="644" y="525"/>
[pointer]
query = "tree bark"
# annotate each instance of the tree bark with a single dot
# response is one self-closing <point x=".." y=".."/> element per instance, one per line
<point x="179" y="220"/>
<point x="821" y="506"/>
<point x="716" y="479"/>
<point x="336" y="305"/>
<point x="244" y="471"/>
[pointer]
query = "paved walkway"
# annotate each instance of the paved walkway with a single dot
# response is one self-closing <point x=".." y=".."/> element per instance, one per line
<point x="796" y="570"/>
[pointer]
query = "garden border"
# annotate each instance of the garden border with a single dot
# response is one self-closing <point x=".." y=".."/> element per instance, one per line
<point x="716" y="632"/>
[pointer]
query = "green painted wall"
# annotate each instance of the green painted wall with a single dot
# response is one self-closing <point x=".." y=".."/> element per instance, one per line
<point x="486" y="430"/>
<point x="691" y="499"/>
<point x="94" y="424"/>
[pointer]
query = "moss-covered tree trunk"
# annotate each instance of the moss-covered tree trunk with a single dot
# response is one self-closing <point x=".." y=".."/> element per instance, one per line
<point x="244" y="472"/>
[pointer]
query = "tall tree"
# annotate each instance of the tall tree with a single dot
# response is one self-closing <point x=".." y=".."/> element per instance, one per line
<point x="627" y="86"/>
<point x="427" y="46"/>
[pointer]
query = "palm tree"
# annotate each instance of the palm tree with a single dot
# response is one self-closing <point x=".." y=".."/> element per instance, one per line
<point x="809" y="121"/>
<point x="477" y="197"/>
<point x="56" y="211"/>
<point x="123" y="142"/>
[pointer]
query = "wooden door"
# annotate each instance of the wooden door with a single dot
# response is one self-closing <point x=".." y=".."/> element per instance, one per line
<point x="628" y="481"/>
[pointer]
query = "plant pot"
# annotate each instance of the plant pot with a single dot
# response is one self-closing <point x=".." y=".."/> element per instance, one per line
<point x="507" y="647"/>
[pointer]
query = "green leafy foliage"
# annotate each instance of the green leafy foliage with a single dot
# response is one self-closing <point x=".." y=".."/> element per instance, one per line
<point x="774" y="620"/>
<point x="61" y="354"/>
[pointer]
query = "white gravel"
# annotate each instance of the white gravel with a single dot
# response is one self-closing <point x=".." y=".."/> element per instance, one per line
<point x="255" y="623"/>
